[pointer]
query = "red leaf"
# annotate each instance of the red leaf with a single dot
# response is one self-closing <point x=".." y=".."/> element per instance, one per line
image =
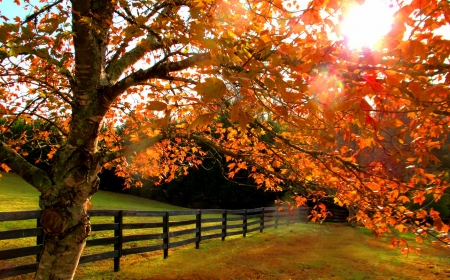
<point x="376" y="86"/>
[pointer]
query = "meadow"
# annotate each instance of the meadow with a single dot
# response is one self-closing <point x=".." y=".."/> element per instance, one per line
<point x="299" y="251"/>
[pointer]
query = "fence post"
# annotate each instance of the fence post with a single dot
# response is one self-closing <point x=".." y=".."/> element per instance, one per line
<point x="198" y="226"/>
<point x="166" y="234"/>
<point x="276" y="218"/>
<point x="261" y="221"/>
<point x="224" y="225"/>
<point x="244" y="221"/>
<point x="118" y="219"/>
<point x="288" y="216"/>
<point x="39" y="238"/>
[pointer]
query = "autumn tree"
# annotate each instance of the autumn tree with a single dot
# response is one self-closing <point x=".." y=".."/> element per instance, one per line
<point x="169" y="69"/>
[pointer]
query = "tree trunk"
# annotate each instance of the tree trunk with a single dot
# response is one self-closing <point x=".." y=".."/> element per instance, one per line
<point x="64" y="217"/>
<point x="63" y="244"/>
<point x="60" y="257"/>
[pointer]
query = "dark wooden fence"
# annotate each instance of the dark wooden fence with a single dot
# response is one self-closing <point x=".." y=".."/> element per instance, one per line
<point x="221" y="223"/>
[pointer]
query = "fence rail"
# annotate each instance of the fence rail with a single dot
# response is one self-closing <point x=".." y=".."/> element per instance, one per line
<point x="203" y="225"/>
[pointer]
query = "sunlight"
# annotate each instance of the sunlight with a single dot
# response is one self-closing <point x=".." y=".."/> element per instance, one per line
<point x="366" y="24"/>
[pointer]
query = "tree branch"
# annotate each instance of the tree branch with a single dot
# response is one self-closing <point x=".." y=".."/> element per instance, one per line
<point x="36" y="177"/>
<point x="157" y="71"/>
<point x="40" y="11"/>
<point x="116" y="68"/>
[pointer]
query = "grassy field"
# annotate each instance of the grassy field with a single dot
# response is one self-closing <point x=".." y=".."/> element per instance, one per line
<point x="14" y="192"/>
<point x="300" y="251"/>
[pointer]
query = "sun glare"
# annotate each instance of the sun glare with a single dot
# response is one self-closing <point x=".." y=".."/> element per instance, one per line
<point x="366" y="24"/>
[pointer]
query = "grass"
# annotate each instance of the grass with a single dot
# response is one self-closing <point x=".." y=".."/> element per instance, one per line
<point x="300" y="251"/>
<point x="20" y="195"/>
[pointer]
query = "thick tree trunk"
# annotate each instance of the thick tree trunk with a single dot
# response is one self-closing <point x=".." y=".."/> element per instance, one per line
<point x="60" y="256"/>
<point x="65" y="237"/>
<point x="64" y="217"/>
<point x="66" y="231"/>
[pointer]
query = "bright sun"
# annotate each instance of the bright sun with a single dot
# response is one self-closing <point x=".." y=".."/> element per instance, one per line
<point x="365" y="24"/>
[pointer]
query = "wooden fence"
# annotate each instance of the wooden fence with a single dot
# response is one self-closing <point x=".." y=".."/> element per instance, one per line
<point x="204" y="224"/>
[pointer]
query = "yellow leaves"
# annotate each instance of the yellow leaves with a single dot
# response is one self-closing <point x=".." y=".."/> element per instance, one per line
<point x="152" y="153"/>
<point x="211" y="89"/>
<point x="338" y="201"/>
<point x="156" y="106"/>
<point x="201" y="121"/>
<point x="401" y="228"/>
<point x="134" y="137"/>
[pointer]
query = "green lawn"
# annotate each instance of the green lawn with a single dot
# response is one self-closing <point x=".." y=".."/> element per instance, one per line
<point x="17" y="195"/>
<point x="300" y="251"/>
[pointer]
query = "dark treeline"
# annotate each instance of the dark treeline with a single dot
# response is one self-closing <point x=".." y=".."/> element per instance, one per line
<point x="205" y="187"/>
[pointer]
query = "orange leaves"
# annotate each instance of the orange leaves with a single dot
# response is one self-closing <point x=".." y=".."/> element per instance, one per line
<point x="419" y="197"/>
<point x="5" y="167"/>
<point x="157" y="106"/>
<point x="437" y="222"/>
<point x="416" y="49"/>
<point x="240" y="116"/>
<point x="300" y="201"/>
<point x="211" y="89"/>
<point x="393" y="78"/>
<point x="201" y="121"/>
<point x="401" y="228"/>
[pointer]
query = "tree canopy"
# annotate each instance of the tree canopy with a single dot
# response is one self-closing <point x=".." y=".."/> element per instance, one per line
<point x="270" y="84"/>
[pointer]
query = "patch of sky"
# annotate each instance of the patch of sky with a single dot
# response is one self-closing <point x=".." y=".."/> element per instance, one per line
<point x="10" y="9"/>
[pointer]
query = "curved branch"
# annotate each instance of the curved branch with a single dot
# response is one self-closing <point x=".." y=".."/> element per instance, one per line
<point x="36" y="177"/>
<point x="157" y="71"/>
<point x="117" y="67"/>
